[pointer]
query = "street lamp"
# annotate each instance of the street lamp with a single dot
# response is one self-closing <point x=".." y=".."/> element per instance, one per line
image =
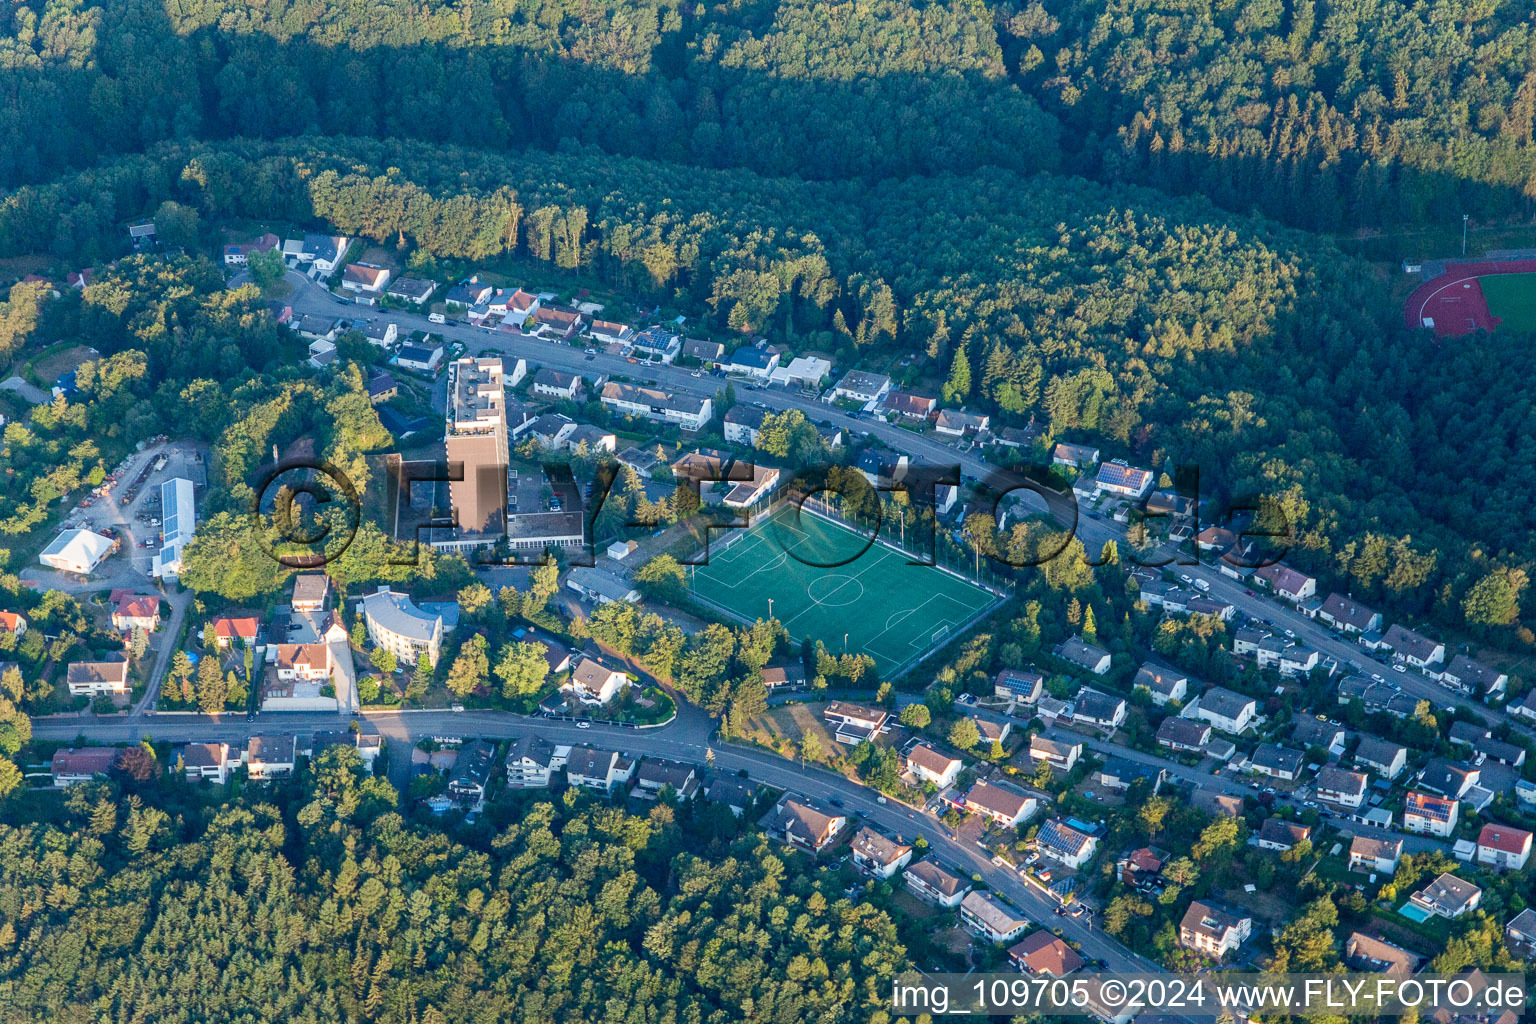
<point x="1464" y="234"/>
<point x="770" y="607"/>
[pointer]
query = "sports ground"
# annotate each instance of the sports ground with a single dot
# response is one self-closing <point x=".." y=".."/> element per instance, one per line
<point x="888" y="608"/>
<point x="1476" y="296"/>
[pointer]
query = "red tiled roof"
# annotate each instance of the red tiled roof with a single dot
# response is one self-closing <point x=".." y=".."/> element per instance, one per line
<point x="1504" y="838"/>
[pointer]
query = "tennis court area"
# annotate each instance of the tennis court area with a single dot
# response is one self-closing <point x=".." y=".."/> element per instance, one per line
<point x="886" y="607"/>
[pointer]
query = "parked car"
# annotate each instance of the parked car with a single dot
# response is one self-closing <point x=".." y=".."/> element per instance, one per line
<point x="583" y="725"/>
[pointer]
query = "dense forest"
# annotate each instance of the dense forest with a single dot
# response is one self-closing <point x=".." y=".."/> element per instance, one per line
<point x="325" y="905"/>
<point x="1178" y="334"/>
<point x="1329" y="114"/>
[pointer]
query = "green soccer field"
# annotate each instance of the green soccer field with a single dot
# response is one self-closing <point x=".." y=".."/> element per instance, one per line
<point x="1511" y="298"/>
<point x="888" y="608"/>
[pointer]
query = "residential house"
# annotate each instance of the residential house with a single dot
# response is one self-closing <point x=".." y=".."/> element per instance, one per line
<point x="1163" y="683"/>
<point x="469" y="292"/>
<point x="310" y="663"/>
<point x="1225" y="709"/>
<point x="412" y="290"/>
<point x="1119" y="478"/>
<point x="1340" y="787"/>
<point x="734" y="483"/>
<point x="1075" y="456"/>
<point x="364" y="277"/>
<point x="244" y="629"/>
<point x="1140" y="866"/>
<point x="991" y="731"/>
<point x="862" y="387"/>
<point x="1276" y="761"/>
<point x="1214" y="929"/>
<point x="656" y="344"/>
<point x="1279" y="834"/>
<point x="310" y="592"/>
<point x="1364" y="952"/>
<point x="754" y="361"/>
<point x="932" y="884"/>
<point x="531" y="763"/>
<point x="1472" y="676"/>
<point x="734" y="793"/>
<point x="1451" y="780"/>
<point x="14" y="623"/>
<point x="1448" y="897"/>
<point x="878" y="856"/>
<point x="1520" y="934"/>
<point x="1102" y="710"/>
<point x="703" y="350"/>
<point x="1413" y="648"/>
<point x="1348" y="616"/>
<point x="1065" y="843"/>
<point x="1246" y="640"/>
<point x="1061" y="756"/>
<point x="595" y="684"/>
<point x="1381" y="756"/>
<point x="658" y="773"/>
<point x="853" y="723"/>
<point x="608" y="332"/>
<point x="1429" y="814"/>
<point x="472" y="772"/>
<point x="685" y="411"/>
<point x="909" y="406"/>
<point x="1185" y="735"/>
<point x="957" y="423"/>
<point x="556" y="384"/>
<point x="783" y="677"/>
<point x="743" y="423"/>
<point x="81" y="764"/>
<point x="802" y="824"/>
<point x="211" y="761"/>
<point x="1001" y="803"/>
<point x="269" y="757"/>
<point x="607" y="770"/>
<point x="1503" y="847"/>
<point x="1042" y="953"/>
<point x="520" y="305"/>
<point x="802" y="372"/>
<point x="1084" y="655"/>
<point x="97" y="678"/>
<point x="324" y="252"/>
<point x="988" y="916"/>
<point x="317" y="328"/>
<point x="239" y="254"/>
<point x="599" y="586"/>
<point x="928" y="765"/>
<point x="1118" y="774"/>
<point x="381" y="387"/>
<point x="422" y="358"/>
<point x="1019" y="685"/>
<point x="1378" y="855"/>
<point x="1313" y="731"/>
<point x="132" y="611"/>
<point x="1285" y="582"/>
<point x="557" y="323"/>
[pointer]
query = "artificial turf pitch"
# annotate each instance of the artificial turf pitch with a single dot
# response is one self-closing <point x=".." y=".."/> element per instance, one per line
<point x="1511" y="298"/>
<point x="890" y="609"/>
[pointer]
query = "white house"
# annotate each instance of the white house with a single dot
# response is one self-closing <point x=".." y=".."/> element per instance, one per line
<point x="1503" y="847"/>
<point x="1429" y="814"/>
<point x="990" y="917"/>
<point x="928" y="765"/>
<point x="1213" y="928"/>
<point x="594" y="683"/>
<point x="1225" y="710"/>
<point x="397" y="625"/>
<point x="1066" y="844"/>
<point x="878" y="856"/>
<point x="685" y="411"/>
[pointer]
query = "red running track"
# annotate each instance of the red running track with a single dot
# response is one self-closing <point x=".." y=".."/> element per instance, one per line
<point x="1454" y="300"/>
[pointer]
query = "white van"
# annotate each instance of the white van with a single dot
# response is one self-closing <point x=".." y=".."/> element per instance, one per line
<point x="437" y="318"/>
